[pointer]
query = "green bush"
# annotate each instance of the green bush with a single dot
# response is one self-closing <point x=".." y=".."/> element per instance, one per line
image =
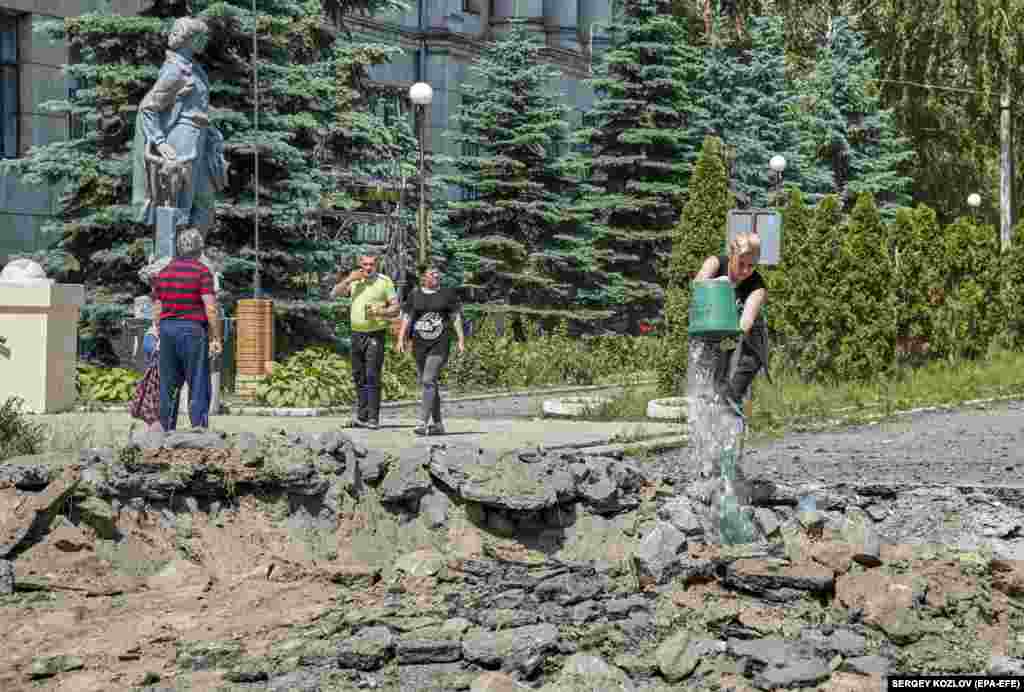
<point x="106" y="384"/>
<point x="1012" y="292"/>
<point x="786" y="290"/>
<point x="968" y="314"/>
<point x="319" y="377"/>
<point x="917" y="258"/>
<point x="18" y="435"/>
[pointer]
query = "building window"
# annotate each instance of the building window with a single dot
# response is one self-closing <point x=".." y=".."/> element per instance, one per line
<point x="8" y="86"/>
<point x="472" y="6"/>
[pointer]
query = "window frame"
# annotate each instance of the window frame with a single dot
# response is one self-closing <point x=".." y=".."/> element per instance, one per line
<point x="10" y="69"/>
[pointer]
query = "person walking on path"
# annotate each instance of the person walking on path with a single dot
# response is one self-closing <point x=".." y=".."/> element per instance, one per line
<point x="738" y="368"/>
<point x="433" y="313"/>
<point x="189" y="331"/>
<point x="374" y="302"/>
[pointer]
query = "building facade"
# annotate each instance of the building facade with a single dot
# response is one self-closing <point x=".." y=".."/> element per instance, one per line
<point x="441" y="38"/>
<point x="31" y="73"/>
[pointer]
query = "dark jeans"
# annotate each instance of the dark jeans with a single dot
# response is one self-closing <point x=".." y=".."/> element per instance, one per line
<point x="184" y="357"/>
<point x="736" y="381"/>
<point x="367" y="362"/>
<point x="429" y="363"/>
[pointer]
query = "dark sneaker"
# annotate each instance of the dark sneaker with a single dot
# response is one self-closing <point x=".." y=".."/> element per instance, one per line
<point x="435" y="429"/>
<point x="422" y="429"/>
<point x="368" y="424"/>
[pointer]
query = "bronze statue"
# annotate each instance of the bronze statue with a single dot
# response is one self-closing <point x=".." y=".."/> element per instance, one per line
<point x="178" y="157"/>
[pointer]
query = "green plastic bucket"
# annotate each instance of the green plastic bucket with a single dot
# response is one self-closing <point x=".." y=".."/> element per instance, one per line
<point x="713" y="309"/>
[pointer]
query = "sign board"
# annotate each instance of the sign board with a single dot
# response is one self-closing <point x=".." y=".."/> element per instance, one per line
<point x="767" y="223"/>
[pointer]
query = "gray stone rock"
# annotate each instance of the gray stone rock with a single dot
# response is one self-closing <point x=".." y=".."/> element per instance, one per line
<point x="585" y="612"/>
<point x="872" y="665"/>
<point x="621" y="607"/>
<point x="351" y="480"/>
<point x="680" y="513"/>
<point x="767" y="521"/>
<point x="373" y="464"/>
<point x="368" y="650"/>
<point x="876" y="512"/>
<point x="671" y="657"/>
<point x="569" y="589"/>
<point x="6" y="577"/>
<point x="434" y="508"/>
<point x="427" y="646"/>
<point x="407" y="481"/>
<point x="846" y="643"/>
<point x="777" y="580"/>
<point x="327" y="442"/>
<point x="659" y="550"/>
<point x="799" y="674"/>
<point x="1005" y="665"/>
<point x="25" y="472"/>
<point x="589" y="673"/>
<point x="195" y="440"/>
<point x="550" y="611"/>
<point x="772" y="651"/>
<point x="503" y="618"/>
<point x="520" y="649"/>
<point x="96" y="455"/>
<point x="513" y="598"/>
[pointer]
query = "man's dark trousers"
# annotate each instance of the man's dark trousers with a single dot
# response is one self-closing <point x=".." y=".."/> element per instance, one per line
<point x="184" y="357"/>
<point x="367" y="363"/>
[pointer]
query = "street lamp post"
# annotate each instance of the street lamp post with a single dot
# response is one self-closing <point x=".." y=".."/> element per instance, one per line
<point x="421" y="95"/>
<point x="974" y="201"/>
<point x="778" y="165"/>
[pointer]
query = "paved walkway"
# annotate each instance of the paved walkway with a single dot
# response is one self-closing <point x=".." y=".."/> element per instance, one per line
<point x="107" y="429"/>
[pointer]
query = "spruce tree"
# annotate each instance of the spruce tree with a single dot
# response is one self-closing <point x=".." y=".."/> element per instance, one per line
<point x="744" y="97"/>
<point x="310" y="76"/>
<point x="850" y="140"/>
<point x="521" y="242"/>
<point x="640" y="154"/>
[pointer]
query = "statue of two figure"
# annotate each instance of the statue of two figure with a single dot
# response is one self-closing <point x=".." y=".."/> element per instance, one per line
<point x="178" y="158"/>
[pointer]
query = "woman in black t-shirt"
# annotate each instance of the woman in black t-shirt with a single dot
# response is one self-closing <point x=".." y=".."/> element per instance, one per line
<point x="739" y="269"/>
<point x="433" y="313"/>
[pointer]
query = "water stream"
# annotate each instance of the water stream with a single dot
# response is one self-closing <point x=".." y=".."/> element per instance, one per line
<point x="716" y="448"/>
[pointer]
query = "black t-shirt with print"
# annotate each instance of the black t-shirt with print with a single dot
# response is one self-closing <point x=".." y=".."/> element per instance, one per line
<point x="431" y="315"/>
<point x="757" y="341"/>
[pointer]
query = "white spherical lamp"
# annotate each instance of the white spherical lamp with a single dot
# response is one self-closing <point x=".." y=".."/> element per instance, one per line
<point x="974" y="200"/>
<point x="778" y="163"/>
<point x="421" y="94"/>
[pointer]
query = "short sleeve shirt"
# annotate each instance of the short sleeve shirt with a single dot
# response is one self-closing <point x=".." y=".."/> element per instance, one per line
<point x="378" y="291"/>
<point x="180" y="288"/>
<point x="431" y="315"/>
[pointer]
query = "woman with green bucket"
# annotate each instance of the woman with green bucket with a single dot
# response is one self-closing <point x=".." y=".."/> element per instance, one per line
<point x="737" y="368"/>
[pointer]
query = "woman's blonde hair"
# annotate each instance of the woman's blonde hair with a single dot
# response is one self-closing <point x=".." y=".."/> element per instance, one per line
<point x="191" y="28"/>
<point x="746" y="244"/>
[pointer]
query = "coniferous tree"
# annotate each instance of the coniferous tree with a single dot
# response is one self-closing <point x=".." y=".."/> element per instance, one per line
<point x="744" y="97"/>
<point x="699" y="234"/>
<point x="640" y="153"/>
<point x="521" y="242"/>
<point x="851" y="140"/>
<point x="863" y="313"/>
<point x="916" y="258"/>
<point x="309" y="71"/>
<point x="786" y="292"/>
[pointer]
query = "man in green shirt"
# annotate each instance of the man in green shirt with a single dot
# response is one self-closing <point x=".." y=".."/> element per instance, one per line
<point x="374" y="301"/>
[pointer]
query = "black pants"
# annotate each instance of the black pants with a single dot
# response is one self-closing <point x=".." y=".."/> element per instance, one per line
<point x="736" y="383"/>
<point x="367" y="363"/>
